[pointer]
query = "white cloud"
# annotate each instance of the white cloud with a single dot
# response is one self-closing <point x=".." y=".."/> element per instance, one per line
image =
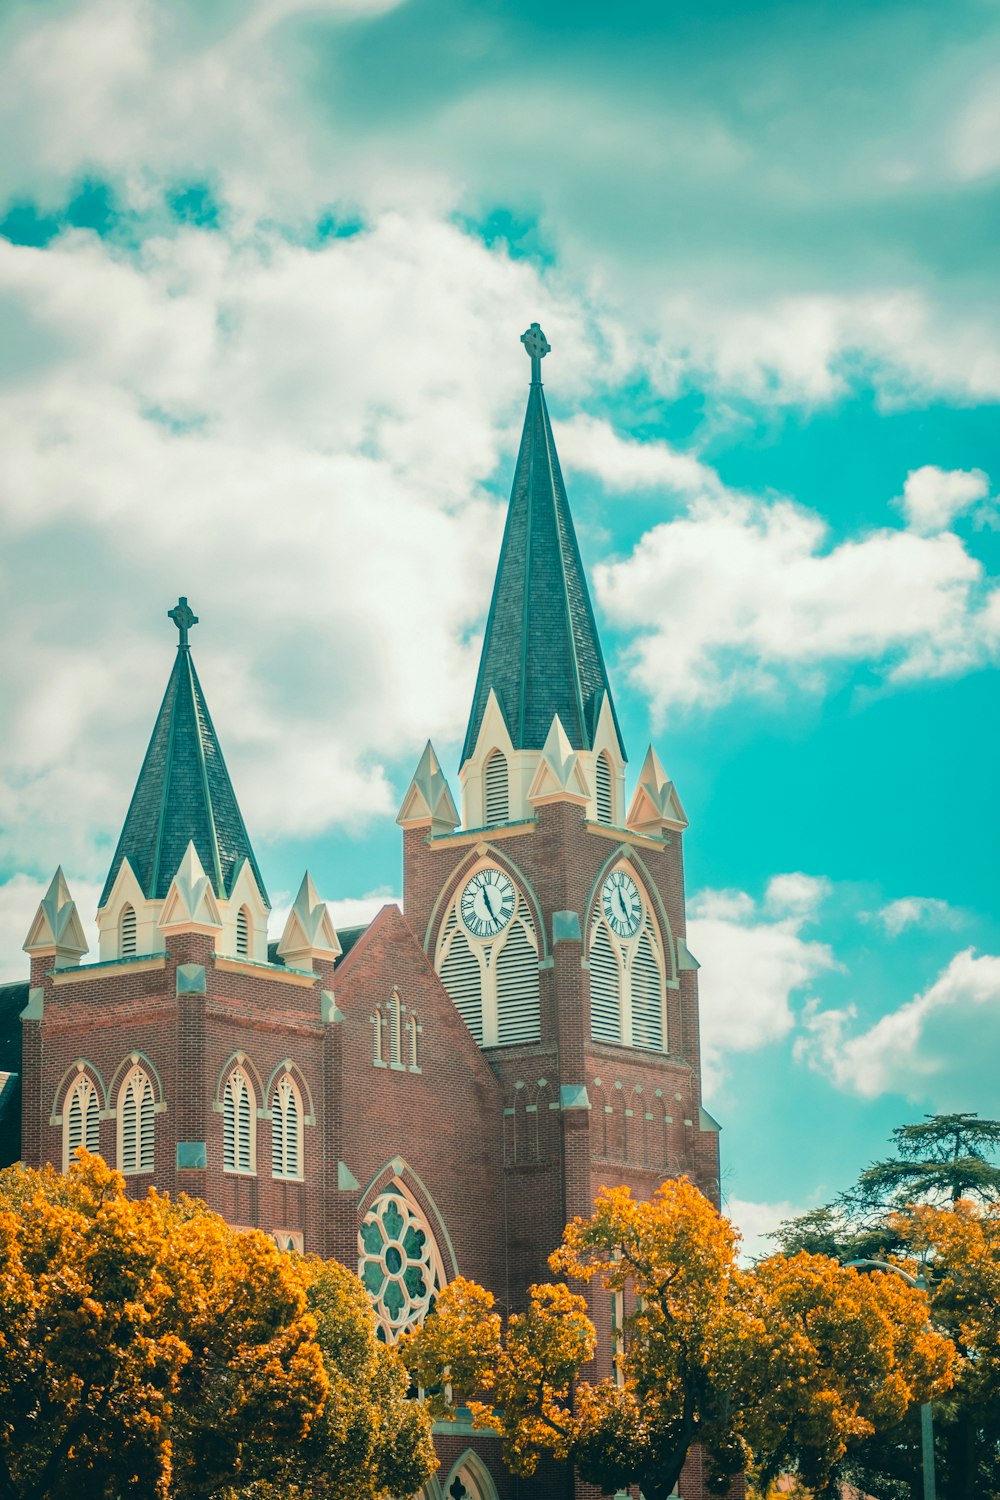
<point x="975" y="132"/>
<point x="347" y="911"/>
<point x="752" y="964"/>
<point x="591" y="446"/>
<point x="739" y="593"/>
<point x="933" y="497"/>
<point x="909" y="911"/>
<point x="756" y="1221"/>
<point x="940" y="1048"/>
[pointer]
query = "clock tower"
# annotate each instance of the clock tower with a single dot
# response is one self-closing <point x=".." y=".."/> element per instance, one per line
<point x="553" y="909"/>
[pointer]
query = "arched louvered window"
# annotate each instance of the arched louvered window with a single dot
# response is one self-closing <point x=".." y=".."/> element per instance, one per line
<point x="603" y="783"/>
<point x="239" y="1122"/>
<point x="286" y="1129"/>
<point x="605" y="986"/>
<point x="136" y="1116"/>
<point x="461" y="975"/>
<point x="518" y="1011"/>
<point x="647" y="997"/>
<point x="497" y="793"/>
<point x="627" y="991"/>
<point x="126" y="931"/>
<point x="414" y="1030"/>
<point x="81" y="1119"/>
<point x="395" y="1031"/>
<point x="377" y="1057"/>
<point x="243" y="933"/>
<point x="491" y="973"/>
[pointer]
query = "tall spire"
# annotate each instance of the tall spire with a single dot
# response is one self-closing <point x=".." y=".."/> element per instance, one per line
<point x="184" y="794"/>
<point x="542" y="654"/>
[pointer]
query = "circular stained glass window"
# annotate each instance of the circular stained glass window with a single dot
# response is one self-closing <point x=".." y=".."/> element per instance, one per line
<point x="398" y="1262"/>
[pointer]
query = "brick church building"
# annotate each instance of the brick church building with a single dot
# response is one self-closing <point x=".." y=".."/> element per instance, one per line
<point x="435" y="1093"/>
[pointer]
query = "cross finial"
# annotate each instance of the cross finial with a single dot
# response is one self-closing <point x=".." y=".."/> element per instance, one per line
<point x="537" y="346"/>
<point x="183" y="617"/>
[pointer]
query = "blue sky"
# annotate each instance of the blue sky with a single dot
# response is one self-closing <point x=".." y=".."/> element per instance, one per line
<point x="263" y="270"/>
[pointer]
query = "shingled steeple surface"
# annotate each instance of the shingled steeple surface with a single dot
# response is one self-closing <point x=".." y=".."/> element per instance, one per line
<point x="541" y="654"/>
<point x="184" y="794"/>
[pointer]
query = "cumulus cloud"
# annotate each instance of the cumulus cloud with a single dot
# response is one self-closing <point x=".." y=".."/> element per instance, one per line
<point x="756" y="1221"/>
<point x="591" y="446"/>
<point x="753" y="962"/>
<point x="910" y="911"/>
<point x="20" y="895"/>
<point x="933" y="497"/>
<point x="740" y="593"/>
<point x="939" y="1048"/>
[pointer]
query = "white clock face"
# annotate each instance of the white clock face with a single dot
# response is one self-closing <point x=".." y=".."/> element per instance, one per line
<point x="488" y="902"/>
<point x="622" y="903"/>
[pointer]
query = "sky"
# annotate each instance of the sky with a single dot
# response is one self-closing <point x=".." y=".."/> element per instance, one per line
<point x="264" y="266"/>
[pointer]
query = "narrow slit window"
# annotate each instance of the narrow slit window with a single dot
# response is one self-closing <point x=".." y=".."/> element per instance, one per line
<point x="243" y="933"/>
<point x="127" y="936"/>
<point x="414" y="1028"/>
<point x="377" y="1057"/>
<point x="603" y="789"/>
<point x="395" y="1031"/>
<point x="497" y="793"/>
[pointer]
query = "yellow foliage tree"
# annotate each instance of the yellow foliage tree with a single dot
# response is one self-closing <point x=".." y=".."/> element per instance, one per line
<point x="782" y="1366"/>
<point x="148" y="1349"/>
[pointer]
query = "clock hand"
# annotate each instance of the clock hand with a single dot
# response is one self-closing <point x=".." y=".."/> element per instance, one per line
<point x="621" y="903"/>
<point x="489" y="903"/>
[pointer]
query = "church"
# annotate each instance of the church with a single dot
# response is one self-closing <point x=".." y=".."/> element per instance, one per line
<point x="435" y="1093"/>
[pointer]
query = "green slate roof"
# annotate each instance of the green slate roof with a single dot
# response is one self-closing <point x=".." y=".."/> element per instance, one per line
<point x="542" y="654"/>
<point x="183" y="794"/>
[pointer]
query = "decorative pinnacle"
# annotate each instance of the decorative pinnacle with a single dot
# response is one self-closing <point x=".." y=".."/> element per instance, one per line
<point x="183" y="617"/>
<point x="537" y="346"/>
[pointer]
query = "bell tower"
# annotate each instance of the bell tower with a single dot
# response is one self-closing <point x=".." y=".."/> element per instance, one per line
<point x="554" y="911"/>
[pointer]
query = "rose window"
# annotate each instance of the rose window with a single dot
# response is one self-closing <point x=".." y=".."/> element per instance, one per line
<point x="398" y="1262"/>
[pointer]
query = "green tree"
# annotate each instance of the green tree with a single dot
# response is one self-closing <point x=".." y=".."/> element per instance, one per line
<point x="945" y="1175"/>
<point x="148" y="1349"/>
<point x="787" y="1365"/>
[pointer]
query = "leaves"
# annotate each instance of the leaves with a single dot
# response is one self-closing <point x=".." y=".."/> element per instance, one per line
<point x="148" y="1348"/>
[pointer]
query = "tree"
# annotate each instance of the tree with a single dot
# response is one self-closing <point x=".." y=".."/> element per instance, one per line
<point x="783" y="1366"/>
<point x="148" y="1348"/>
<point x="944" y="1178"/>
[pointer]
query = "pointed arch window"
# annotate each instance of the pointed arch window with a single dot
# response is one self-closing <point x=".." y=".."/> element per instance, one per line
<point x="239" y="1119"/>
<point x="127" y="931"/>
<point x="395" y="1030"/>
<point x="492" y="976"/>
<point x="81" y="1119"/>
<point x="136" y="1117"/>
<point x="497" y="789"/>
<point x="286" y="1129"/>
<point x="243" y="930"/>
<point x="398" y="1262"/>
<point x="603" y="789"/>
<point x="627" y="982"/>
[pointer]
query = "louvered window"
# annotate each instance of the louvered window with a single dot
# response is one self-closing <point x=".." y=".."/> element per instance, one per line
<point x="81" y="1120"/>
<point x="518" y="1015"/>
<point x="605" y="986"/>
<point x="136" y="1116"/>
<point x="286" y="1129"/>
<point x="497" y="795"/>
<point x="395" y="1031"/>
<point x="414" y="1029"/>
<point x="239" y="1137"/>
<point x="603" y="788"/>
<point x="127" y="931"/>
<point x="647" y="997"/>
<point x="243" y="933"/>
<point x="461" y="975"/>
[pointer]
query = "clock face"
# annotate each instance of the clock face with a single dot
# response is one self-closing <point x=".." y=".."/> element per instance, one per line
<point x="488" y="902"/>
<point x="622" y="903"/>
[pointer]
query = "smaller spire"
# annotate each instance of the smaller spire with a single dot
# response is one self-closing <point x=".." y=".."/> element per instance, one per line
<point x="190" y="901"/>
<point x="656" y="804"/>
<point x="537" y="346"/>
<point x="428" y="800"/>
<point x="560" y="777"/>
<point x="183" y="617"/>
<point x="309" y="932"/>
<point x="57" y="928"/>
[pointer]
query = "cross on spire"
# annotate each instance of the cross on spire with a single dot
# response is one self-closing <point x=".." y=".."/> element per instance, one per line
<point x="537" y="346"/>
<point x="183" y="617"/>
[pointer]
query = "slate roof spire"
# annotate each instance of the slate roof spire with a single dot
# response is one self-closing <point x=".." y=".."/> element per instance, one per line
<point x="542" y="654"/>
<point x="184" y="794"/>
